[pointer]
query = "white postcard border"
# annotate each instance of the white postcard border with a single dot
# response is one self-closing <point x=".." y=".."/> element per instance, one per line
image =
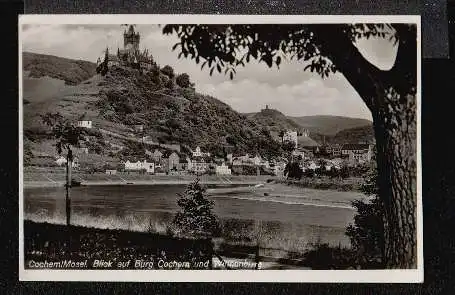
<point x="316" y="276"/>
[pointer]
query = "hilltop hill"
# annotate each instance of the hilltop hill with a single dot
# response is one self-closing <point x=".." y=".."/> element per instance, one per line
<point x="329" y="125"/>
<point x="170" y="115"/>
<point x="71" y="71"/>
<point x="274" y="120"/>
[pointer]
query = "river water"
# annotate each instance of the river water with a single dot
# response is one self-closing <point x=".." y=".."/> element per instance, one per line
<point x="289" y="222"/>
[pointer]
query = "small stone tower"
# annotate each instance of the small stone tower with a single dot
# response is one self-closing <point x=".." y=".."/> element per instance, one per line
<point x="131" y="40"/>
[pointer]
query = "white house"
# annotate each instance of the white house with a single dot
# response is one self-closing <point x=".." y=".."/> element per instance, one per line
<point x="84" y="124"/>
<point x="62" y="161"/>
<point x="137" y="166"/>
<point x="265" y="164"/>
<point x="223" y="169"/>
<point x="149" y="167"/>
<point x="197" y="152"/>
<point x="313" y="166"/>
<point x="256" y="160"/>
<point x="111" y="172"/>
<point x="278" y="169"/>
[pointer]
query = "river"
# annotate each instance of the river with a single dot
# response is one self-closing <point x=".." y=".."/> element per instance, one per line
<point x="289" y="218"/>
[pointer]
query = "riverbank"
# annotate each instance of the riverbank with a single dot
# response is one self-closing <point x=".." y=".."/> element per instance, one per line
<point x="35" y="179"/>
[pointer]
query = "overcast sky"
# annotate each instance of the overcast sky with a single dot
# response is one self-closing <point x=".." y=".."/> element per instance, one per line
<point x="289" y="90"/>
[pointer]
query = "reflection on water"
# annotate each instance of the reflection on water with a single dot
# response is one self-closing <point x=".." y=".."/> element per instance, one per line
<point x="150" y="208"/>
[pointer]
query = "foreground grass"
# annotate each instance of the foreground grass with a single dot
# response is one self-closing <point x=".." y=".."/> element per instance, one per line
<point x="51" y="242"/>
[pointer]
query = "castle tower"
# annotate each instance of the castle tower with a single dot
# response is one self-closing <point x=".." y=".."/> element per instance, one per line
<point x="131" y="40"/>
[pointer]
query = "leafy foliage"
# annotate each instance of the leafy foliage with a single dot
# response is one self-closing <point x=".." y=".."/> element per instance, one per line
<point x="367" y="232"/>
<point x="227" y="46"/>
<point x="324" y="257"/>
<point x="169" y="84"/>
<point x="293" y="170"/>
<point x="181" y="115"/>
<point x="196" y="218"/>
<point x="64" y="132"/>
<point x="168" y="71"/>
<point x="183" y="80"/>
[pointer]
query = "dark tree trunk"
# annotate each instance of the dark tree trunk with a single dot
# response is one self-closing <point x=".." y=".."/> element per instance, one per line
<point x="395" y="131"/>
<point x="395" y="125"/>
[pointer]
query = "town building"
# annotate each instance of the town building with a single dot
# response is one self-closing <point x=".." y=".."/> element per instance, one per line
<point x="140" y="166"/>
<point x="336" y="150"/>
<point x="199" y="165"/>
<point x="173" y="161"/>
<point x="198" y="153"/>
<point x="222" y="169"/>
<point x="278" y="168"/>
<point x="304" y="133"/>
<point x="183" y="165"/>
<point x="157" y="155"/>
<point x="84" y="124"/>
<point x="357" y="153"/>
<point x="256" y="160"/>
<point x="291" y="136"/>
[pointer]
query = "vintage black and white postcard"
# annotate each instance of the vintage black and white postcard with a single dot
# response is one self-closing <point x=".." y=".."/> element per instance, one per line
<point x="220" y="148"/>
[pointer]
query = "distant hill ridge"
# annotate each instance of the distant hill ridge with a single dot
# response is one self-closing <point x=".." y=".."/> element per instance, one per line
<point x="71" y="71"/>
<point x="329" y="125"/>
<point x="322" y="128"/>
<point x="273" y="119"/>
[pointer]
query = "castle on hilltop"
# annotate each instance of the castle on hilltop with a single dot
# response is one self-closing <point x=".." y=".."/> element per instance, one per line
<point x="129" y="56"/>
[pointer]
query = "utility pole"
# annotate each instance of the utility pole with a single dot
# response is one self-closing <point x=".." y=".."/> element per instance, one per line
<point x="69" y="162"/>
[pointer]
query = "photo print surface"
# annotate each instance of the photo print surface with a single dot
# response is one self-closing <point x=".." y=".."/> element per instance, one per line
<point x="254" y="148"/>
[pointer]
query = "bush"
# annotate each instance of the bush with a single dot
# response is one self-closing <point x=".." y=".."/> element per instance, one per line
<point x="169" y="84"/>
<point x="367" y="231"/>
<point x="183" y="80"/>
<point x="168" y="71"/>
<point x="196" y="217"/>
<point x="325" y="257"/>
<point x="293" y="170"/>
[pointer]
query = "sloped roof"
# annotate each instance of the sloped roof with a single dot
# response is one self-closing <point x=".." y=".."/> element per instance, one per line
<point x="306" y="141"/>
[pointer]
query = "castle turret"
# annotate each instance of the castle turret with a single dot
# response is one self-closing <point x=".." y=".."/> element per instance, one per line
<point x="131" y="40"/>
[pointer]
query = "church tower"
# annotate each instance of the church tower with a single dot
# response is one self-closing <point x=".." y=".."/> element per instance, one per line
<point x="131" y="40"/>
